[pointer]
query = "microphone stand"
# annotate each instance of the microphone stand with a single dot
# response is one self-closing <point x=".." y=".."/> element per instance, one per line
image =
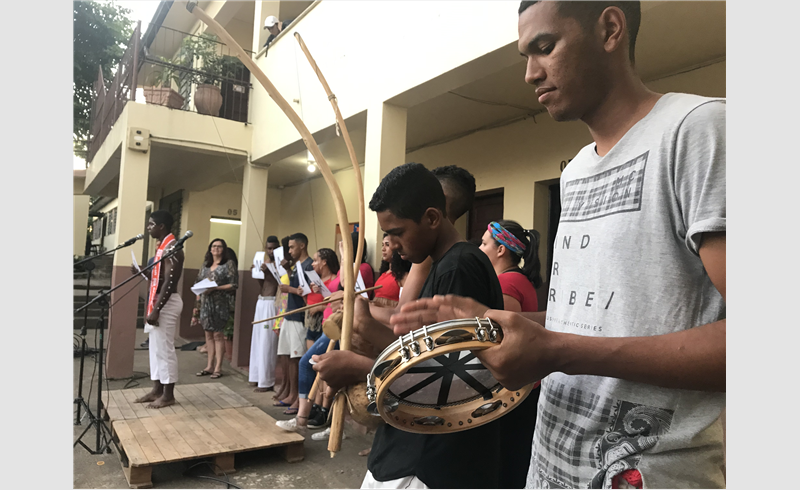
<point x="99" y="421"/>
<point x="89" y="266"/>
<point x="107" y="252"/>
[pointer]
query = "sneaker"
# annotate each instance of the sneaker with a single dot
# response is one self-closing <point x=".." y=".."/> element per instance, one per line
<point x="325" y="434"/>
<point x="290" y="425"/>
<point x="319" y="419"/>
<point x="146" y="343"/>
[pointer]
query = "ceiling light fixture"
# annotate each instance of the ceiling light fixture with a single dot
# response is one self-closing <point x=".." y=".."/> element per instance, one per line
<point x="311" y="167"/>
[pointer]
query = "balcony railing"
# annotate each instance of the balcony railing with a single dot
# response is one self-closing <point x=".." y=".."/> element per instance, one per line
<point x="178" y="70"/>
<point x="178" y="65"/>
<point x="109" y="102"/>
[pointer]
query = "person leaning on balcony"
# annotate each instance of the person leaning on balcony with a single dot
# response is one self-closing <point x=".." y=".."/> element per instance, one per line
<point x="275" y="27"/>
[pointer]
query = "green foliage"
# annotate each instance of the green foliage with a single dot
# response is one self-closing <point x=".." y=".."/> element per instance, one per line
<point x="204" y="52"/>
<point x="100" y="32"/>
<point x="164" y="75"/>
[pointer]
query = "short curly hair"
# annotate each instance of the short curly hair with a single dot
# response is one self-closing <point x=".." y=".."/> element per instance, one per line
<point x="407" y="191"/>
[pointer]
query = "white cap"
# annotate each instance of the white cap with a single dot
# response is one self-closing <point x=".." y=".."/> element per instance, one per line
<point x="270" y="21"/>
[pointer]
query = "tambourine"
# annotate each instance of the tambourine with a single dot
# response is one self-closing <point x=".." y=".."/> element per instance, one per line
<point x="430" y="382"/>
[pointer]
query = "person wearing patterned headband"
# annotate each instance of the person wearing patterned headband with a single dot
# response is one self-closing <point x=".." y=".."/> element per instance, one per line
<point x="506" y="243"/>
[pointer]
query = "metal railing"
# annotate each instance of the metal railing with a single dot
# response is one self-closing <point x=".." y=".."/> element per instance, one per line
<point x="108" y="103"/>
<point x="177" y="64"/>
<point x="176" y="70"/>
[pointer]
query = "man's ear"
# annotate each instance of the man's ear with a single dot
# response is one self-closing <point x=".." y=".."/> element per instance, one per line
<point x="433" y="217"/>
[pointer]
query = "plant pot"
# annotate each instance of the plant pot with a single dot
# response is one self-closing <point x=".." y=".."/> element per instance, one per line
<point x="208" y="99"/>
<point x="163" y="96"/>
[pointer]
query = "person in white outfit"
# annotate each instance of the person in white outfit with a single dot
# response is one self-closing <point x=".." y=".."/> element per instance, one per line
<point x="264" y="343"/>
<point x="163" y="313"/>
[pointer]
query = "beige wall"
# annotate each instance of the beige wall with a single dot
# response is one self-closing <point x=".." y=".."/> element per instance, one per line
<point x="80" y="213"/>
<point x="318" y="223"/>
<point x="356" y="62"/>
<point x="228" y="232"/>
<point x="523" y="157"/>
<point x="198" y="209"/>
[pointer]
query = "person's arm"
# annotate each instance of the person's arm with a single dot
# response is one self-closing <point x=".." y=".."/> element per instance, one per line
<point x="172" y="268"/>
<point x="372" y="331"/>
<point x="692" y="359"/>
<point x="511" y="304"/>
<point x="415" y="279"/>
<point x="340" y="368"/>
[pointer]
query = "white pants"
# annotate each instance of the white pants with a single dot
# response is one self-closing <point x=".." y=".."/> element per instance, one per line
<point x="163" y="359"/>
<point x="406" y="482"/>
<point x="292" y="339"/>
<point x="264" y="346"/>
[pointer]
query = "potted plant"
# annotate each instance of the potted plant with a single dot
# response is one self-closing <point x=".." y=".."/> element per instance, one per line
<point x="159" y="87"/>
<point x="203" y="50"/>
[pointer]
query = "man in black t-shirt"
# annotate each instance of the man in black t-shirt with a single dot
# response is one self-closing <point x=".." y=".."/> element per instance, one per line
<point x="410" y="205"/>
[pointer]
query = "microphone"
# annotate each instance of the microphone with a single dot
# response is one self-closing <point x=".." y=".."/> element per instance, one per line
<point x="133" y="240"/>
<point x="182" y="239"/>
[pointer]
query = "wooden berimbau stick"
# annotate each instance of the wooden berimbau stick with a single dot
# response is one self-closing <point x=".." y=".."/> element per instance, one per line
<point x="324" y="302"/>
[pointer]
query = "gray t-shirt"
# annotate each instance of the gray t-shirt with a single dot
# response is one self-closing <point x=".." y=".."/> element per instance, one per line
<point x="626" y="264"/>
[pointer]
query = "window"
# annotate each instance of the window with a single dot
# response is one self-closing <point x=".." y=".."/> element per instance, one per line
<point x="112" y="222"/>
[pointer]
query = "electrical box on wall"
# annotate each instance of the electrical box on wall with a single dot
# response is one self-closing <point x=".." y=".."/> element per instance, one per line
<point x="139" y="139"/>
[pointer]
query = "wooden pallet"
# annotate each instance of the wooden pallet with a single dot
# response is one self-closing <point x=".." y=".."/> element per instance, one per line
<point x="191" y="398"/>
<point x="196" y="431"/>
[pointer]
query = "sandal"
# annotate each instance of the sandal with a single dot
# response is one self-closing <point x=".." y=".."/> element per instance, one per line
<point x="203" y="373"/>
<point x="280" y="403"/>
<point x="216" y="375"/>
<point x="290" y="411"/>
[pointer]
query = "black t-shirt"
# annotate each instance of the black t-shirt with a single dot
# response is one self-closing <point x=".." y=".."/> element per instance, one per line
<point x="294" y="300"/>
<point x="495" y="455"/>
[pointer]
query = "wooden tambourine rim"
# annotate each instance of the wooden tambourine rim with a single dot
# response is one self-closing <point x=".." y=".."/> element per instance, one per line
<point x="457" y="418"/>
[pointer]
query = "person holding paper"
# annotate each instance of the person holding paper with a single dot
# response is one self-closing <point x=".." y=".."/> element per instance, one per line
<point x="163" y="312"/>
<point x="214" y="303"/>
<point x="291" y="340"/>
<point x="325" y="265"/>
<point x="264" y="343"/>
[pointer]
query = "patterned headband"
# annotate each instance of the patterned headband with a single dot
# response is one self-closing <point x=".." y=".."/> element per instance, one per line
<point x="505" y="238"/>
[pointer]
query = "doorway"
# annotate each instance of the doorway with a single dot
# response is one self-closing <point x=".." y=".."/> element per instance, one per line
<point x="488" y="207"/>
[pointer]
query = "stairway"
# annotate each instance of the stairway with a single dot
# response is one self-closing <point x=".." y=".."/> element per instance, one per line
<point x="100" y="280"/>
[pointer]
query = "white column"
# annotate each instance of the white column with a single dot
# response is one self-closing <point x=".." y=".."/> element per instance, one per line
<point x="385" y="150"/>
<point x="132" y="198"/>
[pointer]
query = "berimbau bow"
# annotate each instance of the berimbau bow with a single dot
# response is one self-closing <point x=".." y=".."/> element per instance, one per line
<point x="348" y="274"/>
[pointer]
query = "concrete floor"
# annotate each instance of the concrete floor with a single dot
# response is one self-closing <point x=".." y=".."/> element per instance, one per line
<point x="256" y="469"/>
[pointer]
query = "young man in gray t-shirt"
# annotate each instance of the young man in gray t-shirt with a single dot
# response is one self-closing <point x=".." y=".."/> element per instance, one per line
<point x="632" y="352"/>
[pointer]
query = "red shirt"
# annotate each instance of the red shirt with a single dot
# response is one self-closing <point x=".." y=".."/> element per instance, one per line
<point x="315" y="298"/>
<point x="520" y="288"/>
<point x="390" y="289"/>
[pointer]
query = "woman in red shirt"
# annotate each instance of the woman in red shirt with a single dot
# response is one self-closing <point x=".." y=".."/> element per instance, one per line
<point x="393" y="273"/>
<point x="506" y="243"/>
<point x="326" y="265"/>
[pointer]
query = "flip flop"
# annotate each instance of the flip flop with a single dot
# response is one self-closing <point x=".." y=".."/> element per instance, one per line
<point x="216" y="376"/>
<point x="290" y="411"/>
<point x="280" y="403"/>
<point x="203" y="373"/>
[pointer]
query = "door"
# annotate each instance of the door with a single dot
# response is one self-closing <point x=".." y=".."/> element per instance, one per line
<point x="235" y="96"/>
<point x="488" y="207"/>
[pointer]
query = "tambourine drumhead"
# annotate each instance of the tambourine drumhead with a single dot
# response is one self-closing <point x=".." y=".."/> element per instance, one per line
<point x="445" y="389"/>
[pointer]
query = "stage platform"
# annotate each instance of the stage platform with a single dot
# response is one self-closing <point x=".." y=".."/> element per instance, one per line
<point x="209" y="420"/>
